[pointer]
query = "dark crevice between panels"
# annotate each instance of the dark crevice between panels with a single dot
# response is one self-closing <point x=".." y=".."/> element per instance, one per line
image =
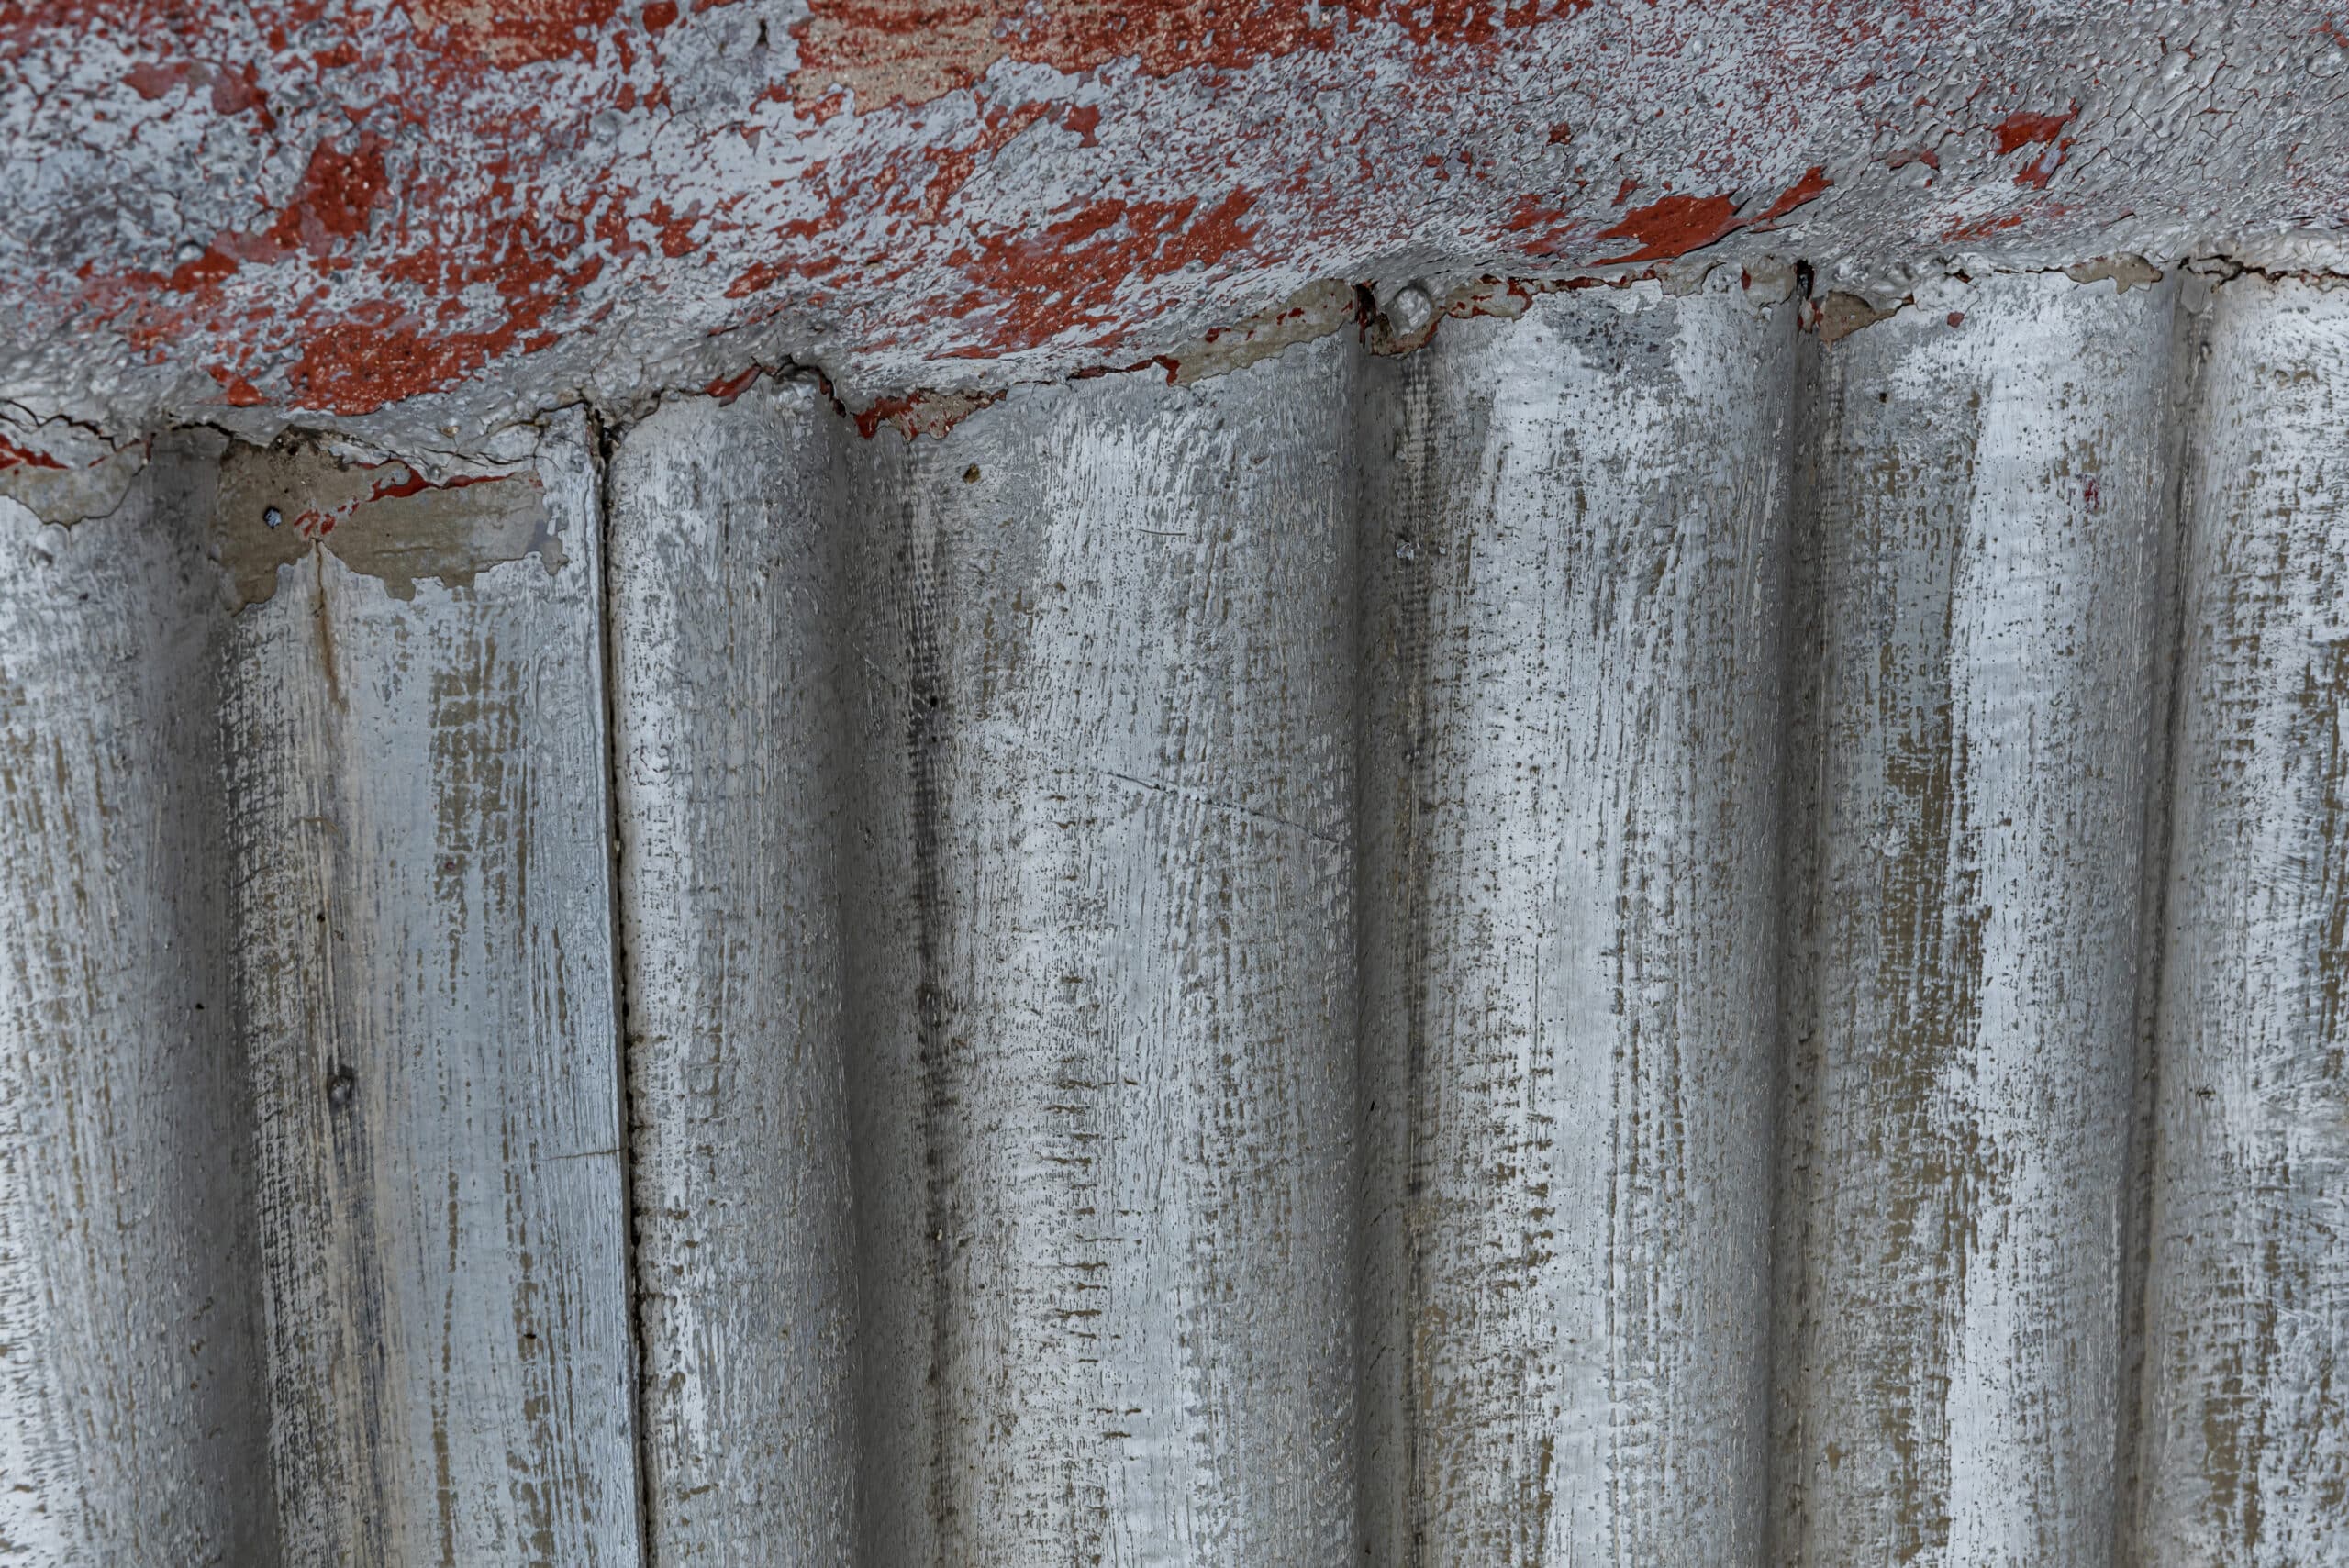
<point x="604" y="442"/>
<point x="2169" y="645"/>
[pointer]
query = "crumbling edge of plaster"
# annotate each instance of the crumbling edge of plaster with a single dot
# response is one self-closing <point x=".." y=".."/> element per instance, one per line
<point x="66" y="472"/>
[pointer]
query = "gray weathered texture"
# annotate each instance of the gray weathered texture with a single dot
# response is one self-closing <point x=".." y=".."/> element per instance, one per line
<point x="1981" y="523"/>
<point x="2247" y="1425"/>
<point x="724" y="626"/>
<point x="422" y="942"/>
<point x="1574" y="552"/>
<point x="1209" y="967"/>
<point x="130" y="1430"/>
<point x="1119" y="642"/>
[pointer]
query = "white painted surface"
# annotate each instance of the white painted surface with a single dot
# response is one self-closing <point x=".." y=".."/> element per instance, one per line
<point x="2247" y="1425"/>
<point x="729" y="753"/>
<point x="132" y="1429"/>
<point x="1983" y="507"/>
<point x="421" y="926"/>
<point x="1574" y="539"/>
<point x="1111" y="660"/>
<point x="1207" y="976"/>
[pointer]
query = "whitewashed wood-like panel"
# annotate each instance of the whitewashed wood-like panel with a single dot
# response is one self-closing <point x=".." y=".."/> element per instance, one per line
<point x="1982" y="511"/>
<point x="1114" y="623"/>
<point x="132" y="1430"/>
<point x="1539" y="953"/>
<point x="726" y="622"/>
<point x="422" y="942"/>
<point x="1574" y="550"/>
<point x="2247" y="1423"/>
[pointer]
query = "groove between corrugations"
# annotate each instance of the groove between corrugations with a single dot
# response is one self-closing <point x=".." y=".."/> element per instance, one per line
<point x="603" y="442"/>
<point x="999" y="976"/>
<point x="2137" y="1213"/>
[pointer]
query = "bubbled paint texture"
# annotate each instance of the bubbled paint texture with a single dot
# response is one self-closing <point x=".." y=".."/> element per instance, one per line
<point x="1649" y="935"/>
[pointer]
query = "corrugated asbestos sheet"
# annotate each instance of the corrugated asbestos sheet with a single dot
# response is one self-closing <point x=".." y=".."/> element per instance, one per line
<point x="1637" y="938"/>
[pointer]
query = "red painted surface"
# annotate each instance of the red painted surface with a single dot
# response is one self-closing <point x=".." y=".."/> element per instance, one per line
<point x="1027" y="287"/>
<point x="909" y="51"/>
<point x="1678" y="225"/>
<point x="12" y="456"/>
<point x="1813" y="184"/>
<point x="2023" y="129"/>
<point x="343" y="209"/>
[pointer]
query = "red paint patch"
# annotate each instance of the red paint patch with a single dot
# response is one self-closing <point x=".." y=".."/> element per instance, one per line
<point x="1038" y="285"/>
<point x="997" y="127"/>
<point x="922" y="413"/>
<point x="913" y="50"/>
<point x="1983" y="227"/>
<point x="313" y="523"/>
<point x="233" y="91"/>
<point x="727" y="388"/>
<point x="756" y="278"/>
<point x="1672" y="226"/>
<point x="191" y="277"/>
<point x="660" y="16"/>
<point x="1813" y="184"/>
<point x="2034" y="176"/>
<point x="337" y="192"/>
<point x="238" y="392"/>
<point x="1955" y="318"/>
<point x="1555" y="226"/>
<point x="2019" y="130"/>
<point x="378" y="353"/>
<point x="677" y="234"/>
<point x="14" y="456"/>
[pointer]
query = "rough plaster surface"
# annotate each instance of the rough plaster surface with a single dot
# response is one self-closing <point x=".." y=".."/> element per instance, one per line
<point x="419" y="222"/>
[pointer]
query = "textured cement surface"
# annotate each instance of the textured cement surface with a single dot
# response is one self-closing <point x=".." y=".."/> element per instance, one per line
<point x="418" y="223"/>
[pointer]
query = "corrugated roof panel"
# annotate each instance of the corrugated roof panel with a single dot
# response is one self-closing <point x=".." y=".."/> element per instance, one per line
<point x="133" y="1418"/>
<point x="1108" y="635"/>
<point x="418" y="816"/>
<point x="2246" y="1422"/>
<point x="1575" y="532"/>
<point x="729" y="760"/>
<point x="1596" y="940"/>
<point x="1975" y="671"/>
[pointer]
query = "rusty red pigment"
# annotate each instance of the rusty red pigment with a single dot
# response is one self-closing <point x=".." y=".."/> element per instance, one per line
<point x="423" y="219"/>
<point x="909" y="51"/>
